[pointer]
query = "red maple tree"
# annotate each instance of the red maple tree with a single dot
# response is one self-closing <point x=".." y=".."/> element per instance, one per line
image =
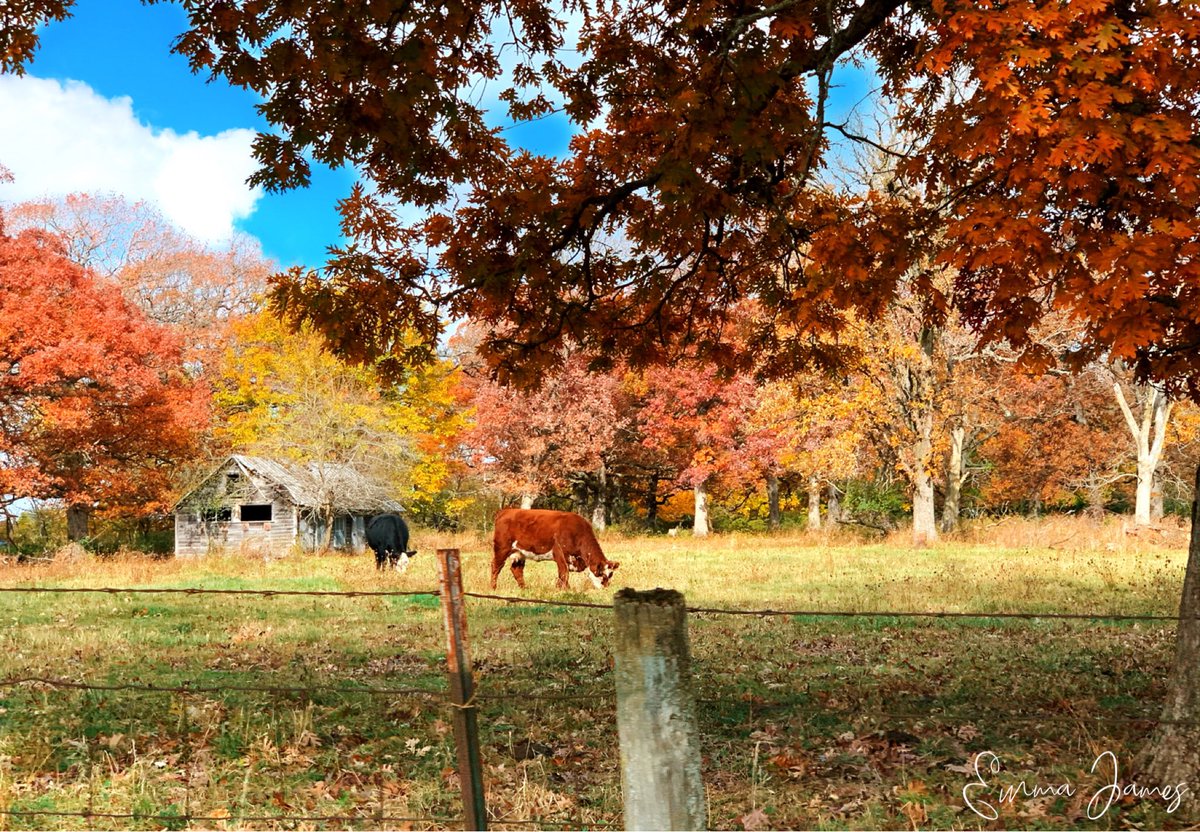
<point x="95" y="408"/>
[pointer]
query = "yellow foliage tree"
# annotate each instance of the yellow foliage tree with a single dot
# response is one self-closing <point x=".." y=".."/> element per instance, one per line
<point x="812" y="428"/>
<point x="282" y="394"/>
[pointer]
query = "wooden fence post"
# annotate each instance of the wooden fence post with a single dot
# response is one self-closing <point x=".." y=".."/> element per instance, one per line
<point x="462" y="690"/>
<point x="656" y="713"/>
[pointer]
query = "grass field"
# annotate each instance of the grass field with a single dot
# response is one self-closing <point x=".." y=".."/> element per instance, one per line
<point x="867" y="722"/>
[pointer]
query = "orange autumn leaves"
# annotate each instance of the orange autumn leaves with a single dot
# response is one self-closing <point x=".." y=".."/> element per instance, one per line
<point x="94" y="402"/>
<point x="1068" y="156"/>
<point x="1052" y="142"/>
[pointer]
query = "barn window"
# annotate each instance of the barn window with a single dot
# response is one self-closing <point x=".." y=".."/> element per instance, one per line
<point x="222" y="515"/>
<point x="256" y="513"/>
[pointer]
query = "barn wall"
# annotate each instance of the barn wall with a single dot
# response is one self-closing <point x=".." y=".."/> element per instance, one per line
<point x="349" y="532"/>
<point x="358" y="539"/>
<point x="275" y="538"/>
<point x="194" y="536"/>
<point x="266" y="538"/>
<point x="310" y="531"/>
<point x="290" y="526"/>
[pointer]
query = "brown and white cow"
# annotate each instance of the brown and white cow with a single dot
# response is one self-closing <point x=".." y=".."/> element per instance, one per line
<point x="560" y="536"/>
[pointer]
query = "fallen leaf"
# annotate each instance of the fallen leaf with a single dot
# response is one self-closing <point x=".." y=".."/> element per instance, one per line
<point x="755" y="819"/>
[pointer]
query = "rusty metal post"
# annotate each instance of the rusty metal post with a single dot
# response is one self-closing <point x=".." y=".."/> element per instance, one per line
<point x="462" y="690"/>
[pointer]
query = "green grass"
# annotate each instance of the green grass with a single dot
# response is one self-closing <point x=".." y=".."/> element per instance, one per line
<point x="819" y="722"/>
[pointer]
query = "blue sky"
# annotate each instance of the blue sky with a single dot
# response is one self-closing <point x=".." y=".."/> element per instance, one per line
<point x="163" y="134"/>
<point x="120" y="48"/>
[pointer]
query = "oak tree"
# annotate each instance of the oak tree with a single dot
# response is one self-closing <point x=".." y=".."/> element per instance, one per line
<point x="697" y="419"/>
<point x="1060" y="138"/>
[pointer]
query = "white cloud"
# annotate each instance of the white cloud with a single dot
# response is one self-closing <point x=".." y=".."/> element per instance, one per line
<point x="63" y="137"/>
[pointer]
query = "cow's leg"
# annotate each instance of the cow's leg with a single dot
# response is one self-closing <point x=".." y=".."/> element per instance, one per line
<point x="518" y="570"/>
<point x="560" y="560"/>
<point x="380" y="558"/>
<point x="499" y="556"/>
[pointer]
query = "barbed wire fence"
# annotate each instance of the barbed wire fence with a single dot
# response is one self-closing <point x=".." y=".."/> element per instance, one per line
<point x="466" y="701"/>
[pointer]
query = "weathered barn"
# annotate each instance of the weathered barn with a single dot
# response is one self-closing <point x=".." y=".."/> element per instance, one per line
<point x="263" y="506"/>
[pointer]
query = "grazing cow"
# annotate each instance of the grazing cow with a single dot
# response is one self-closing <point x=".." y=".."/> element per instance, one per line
<point x="560" y="536"/>
<point x="387" y="534"/>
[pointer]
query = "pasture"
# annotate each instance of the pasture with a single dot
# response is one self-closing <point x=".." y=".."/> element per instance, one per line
<point x="808" y="722"/>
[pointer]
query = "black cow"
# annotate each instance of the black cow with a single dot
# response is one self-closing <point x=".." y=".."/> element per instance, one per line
<point x="387" y="534"/>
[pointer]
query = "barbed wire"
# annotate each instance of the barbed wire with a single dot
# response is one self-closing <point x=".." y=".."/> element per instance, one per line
<point x="541" y="823"/>
<point x="761" y="613"/>
<point x="483" y="694"/>
<point x="943" y="716"/>
<point x="195" y="688"/>
<point x="573" y="823"/>
<point x="190" y="688"/>
<point x="1026" y="616"/>
<point x="766" y="613"/>
<point x="603" y="694"/>
<point x="227" y="818"/>
<point x="499" y="694"/>
<point x="513" y="599"/>
<point x="265" y="593"/>
<point x="802" y="707"/>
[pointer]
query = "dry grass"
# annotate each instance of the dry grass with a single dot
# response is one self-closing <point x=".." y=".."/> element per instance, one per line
<point x="818" y="722"/>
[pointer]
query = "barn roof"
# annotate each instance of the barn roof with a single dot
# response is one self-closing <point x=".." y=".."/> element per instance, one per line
<point x="304" y="482"/>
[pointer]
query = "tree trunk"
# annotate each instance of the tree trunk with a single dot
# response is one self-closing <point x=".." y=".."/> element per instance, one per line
<point x="833" y="509"/>
<point x="1157" y="509"/>
<point x="1145" y="482"/>
<point x="652" y="501"/>
<point x="923" y="510"/>
<point x="814" y="504"/>
<point x="1149" y="437"/>
<point x="915" y="382"/>
<point x="328" y="544"/>
<point x="599" y="514"/>
<point x="1094" y="489"/>
<point x="527" y="500"/>
<point x="773" y="512"/>
<point x="954" y="479"/>
<point x="700" y="524"/>
<point x="78" y="515"/>
<point x="1172" y="755"/>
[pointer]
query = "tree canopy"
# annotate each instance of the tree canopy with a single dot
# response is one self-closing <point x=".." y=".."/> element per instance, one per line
<point x="1053" y="147"/>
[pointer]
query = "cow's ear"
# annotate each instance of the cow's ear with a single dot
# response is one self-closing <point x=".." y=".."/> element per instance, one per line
<point x="413" y="553"/>
<point x="613" y="564"/>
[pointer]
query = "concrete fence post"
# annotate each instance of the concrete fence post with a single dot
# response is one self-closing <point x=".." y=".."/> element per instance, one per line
<point x="656" y="713"/>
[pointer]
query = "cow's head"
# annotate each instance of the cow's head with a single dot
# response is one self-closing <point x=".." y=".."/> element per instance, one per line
<point x="604" y="573"/>
<point x="400" y="559"/>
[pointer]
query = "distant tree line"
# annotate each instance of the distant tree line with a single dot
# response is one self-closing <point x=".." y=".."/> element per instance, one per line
<point x="133" y="357"/>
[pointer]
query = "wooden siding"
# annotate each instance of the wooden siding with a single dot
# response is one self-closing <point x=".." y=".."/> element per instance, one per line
<point x="310" y="534"/>
<point x="290" y="527"/>
<point x="275" y="538"/>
